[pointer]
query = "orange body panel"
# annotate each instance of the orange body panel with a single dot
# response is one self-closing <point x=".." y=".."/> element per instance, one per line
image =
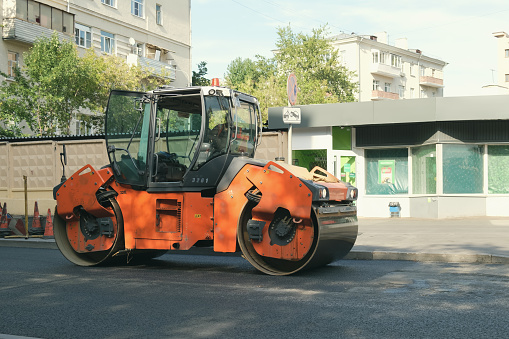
<point x="228" y="206"/>
<point x="80" y="189"/>
<point x="279" y="188"/>
<point x="164" y="220"/>
<point x="286" y="191"/>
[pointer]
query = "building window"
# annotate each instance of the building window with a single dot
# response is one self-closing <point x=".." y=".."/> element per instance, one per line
<point x="387" y="87"/>
<point x="137" y="8"/>
<point x="507" y="78"/>
<point x="107" y="42"/>
<point x="507" y="53"/>
<point x="21" y="11"/>
<point x="498" y="162"/>
<point x="376" y="85"/>
<point x="423" y="71"/>
<point x="395" y="61"/>
<point x="376" y="57"/>
<point x="83" y="36"/>
<point x="386" y="171"/>
<point x="57" y="22"/>
<point x="33" y="12"/>
<point x="401" y="92"/>
<point x="342" y="56"/>
<point x="424" y="170"/>
<point x="12" y="63"/>
<point x="109" y="2"/>
<point x="159" y="14"/>
<point x="423" y="93"/>
<point x="82" y="128"/>
<point x="68" y="23"/>
<point x="412" y="71"/>
<point x="139" y="49"/>
<point x="45" y="16"/>
<point x="463" y="169"/>
<point x="383" y="58"/>
<point x="412" y="93"/>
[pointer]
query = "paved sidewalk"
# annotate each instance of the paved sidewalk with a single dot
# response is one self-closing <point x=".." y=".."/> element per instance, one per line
<point x="474" y="239"/>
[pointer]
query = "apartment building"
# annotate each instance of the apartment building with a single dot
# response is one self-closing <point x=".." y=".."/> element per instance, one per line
<point x="151" y="33"/>
<point x="386" y="72"/>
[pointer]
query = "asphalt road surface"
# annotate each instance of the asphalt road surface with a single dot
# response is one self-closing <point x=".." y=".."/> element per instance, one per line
<point x="42" y="295"/>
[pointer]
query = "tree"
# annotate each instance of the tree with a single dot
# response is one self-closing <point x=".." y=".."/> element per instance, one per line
<point x="320" y="76"/>
<point x="51" y="88"/>
<point x="199" y="77"/>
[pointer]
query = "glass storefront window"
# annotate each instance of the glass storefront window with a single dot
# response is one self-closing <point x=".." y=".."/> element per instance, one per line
<point x="424" y="170"/>
<point x="498" y="175"/>
<point x="463" y="169"/>
<point x="386" y="171"/>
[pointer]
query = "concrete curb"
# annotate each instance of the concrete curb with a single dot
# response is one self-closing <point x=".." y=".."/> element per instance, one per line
<point x="353" y="255"/>
<point x="29" y="243"/>
<point x="429" y="257"/>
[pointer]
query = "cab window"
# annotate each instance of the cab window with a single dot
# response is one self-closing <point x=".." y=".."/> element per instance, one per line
<point x="177" y="133"/>
<point x="244" y="130"/>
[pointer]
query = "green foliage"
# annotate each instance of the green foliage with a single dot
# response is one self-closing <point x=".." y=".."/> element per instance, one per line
<point x="111" y="72"/>
<point x="49" y="89"/>
<point x="199" y="77"/>
<point x="321" y="77"/>
<point x="56" y="85"/>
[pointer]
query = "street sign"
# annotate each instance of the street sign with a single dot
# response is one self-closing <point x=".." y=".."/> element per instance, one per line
<point x="291" y="89"/>
<point x="291" y="115"/>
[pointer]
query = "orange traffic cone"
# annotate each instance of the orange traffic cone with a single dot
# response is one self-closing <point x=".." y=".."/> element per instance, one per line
<point x="4" y="223"/>
<point x="36" y="228"/>
<point x="48" y="230"/>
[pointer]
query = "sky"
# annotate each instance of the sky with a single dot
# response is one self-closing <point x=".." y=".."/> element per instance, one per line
<point x="457" y="32"/>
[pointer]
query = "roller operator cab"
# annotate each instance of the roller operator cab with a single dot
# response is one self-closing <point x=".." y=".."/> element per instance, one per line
<point x="182" y="173"/>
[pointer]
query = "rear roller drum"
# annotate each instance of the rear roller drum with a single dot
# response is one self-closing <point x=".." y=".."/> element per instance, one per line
<point x="78" y="240"/>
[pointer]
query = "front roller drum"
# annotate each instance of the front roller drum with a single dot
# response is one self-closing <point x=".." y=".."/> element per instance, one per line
<point x="89" y="241"/>
<point x="333" y="237"/>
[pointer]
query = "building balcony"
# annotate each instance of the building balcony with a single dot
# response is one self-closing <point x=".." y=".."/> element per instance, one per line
<point x="381" y="95"/>
<point x="431" y="82"/>
<point x="27" y="32"/>
<point x="385" y="70"/>
<point x="157" y="68"/>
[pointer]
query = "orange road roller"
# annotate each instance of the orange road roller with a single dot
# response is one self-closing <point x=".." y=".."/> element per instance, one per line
<point x="182" y="174"/>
